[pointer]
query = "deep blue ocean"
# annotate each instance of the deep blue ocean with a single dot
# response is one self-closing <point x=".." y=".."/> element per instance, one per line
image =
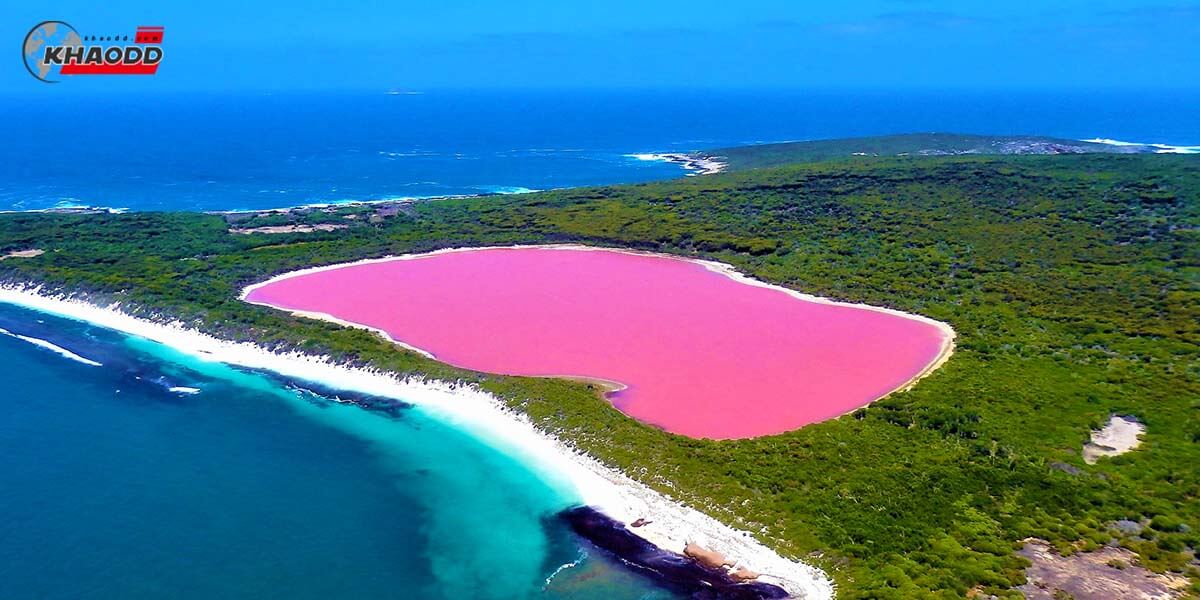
<point x="115" y="486"/>
<point x="252" y="151"/>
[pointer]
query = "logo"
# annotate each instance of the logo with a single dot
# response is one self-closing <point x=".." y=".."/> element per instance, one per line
<point x="53" y="49"/>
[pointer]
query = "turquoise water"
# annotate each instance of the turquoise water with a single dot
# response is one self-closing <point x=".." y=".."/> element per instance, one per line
<point x="113" y="486"/>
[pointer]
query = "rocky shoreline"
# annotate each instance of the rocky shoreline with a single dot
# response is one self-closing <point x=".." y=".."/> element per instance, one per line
<point x="684" y="573"/>
<point x="698" y="163"/>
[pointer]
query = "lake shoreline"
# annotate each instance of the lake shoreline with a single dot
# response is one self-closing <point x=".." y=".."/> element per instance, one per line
<point x="610" y="387"/>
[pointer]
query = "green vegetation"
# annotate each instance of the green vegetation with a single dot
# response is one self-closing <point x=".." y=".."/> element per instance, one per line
<point x="914" y="144"/>
<point x="1073" y="281"/>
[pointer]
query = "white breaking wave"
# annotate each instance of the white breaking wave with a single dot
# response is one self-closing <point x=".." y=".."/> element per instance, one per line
<point x="565" y="566"/>
<point x="1158" y="148"/>
<point x="507" y="189"/>
<point x="408" y="153"/>
<point x="179" y="389"/>
<point x="51" y="347"/>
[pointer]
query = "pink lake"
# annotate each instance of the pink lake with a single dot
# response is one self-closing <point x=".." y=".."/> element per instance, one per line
<point x="700" y="353"/>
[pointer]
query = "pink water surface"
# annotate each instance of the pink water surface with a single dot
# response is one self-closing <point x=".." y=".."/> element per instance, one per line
<point x="702" y="354"/>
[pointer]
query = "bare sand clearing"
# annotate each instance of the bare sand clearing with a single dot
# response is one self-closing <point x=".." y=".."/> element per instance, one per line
<point x="1105" y="574"/>
<point x="273" y="229"/>
<point x="23" y="254"/>
<point x="1119" y="436"/>
<point x="700" y="349"/>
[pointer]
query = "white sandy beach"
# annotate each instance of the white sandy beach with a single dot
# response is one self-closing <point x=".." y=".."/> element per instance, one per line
<point x="466" y="407"/>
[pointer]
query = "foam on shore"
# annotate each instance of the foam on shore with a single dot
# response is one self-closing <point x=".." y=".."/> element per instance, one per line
<point x="672" y="525"/>
<point x="1156" y="148"/>
<point x="52" y="347"/>
<point x="698" y="164"/>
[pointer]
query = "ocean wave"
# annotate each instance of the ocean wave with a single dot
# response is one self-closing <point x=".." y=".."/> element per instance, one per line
<point x="505" y="189"/>
<point x="522" y="152"/>
<point x="647" y="157"/>
<point x="418" y="183"/>
<point x="409" y="153"/>
<point x="52" y="347"/>
<point x="1158" y="148"/>
<point x="563" y="567"/>
<point x="61" y="207"/>
<point x="345" y="202"/>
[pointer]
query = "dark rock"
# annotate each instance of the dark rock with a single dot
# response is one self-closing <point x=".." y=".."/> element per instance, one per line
<point x="1126" y="527"/>
<point x="670" y="570"/>
<point x="1065" y="468"/>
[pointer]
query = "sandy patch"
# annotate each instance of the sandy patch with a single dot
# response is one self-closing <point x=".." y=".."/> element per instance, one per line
<point x="1105" y="574"/>
<point x="287" y="229"/>
<point x="1119" y="436"/>
<point x="24" y="254"/>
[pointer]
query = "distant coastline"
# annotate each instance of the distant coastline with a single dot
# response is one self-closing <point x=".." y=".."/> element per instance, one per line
<point x="720" y="160"/>
<point x="697" y="163"/>
<point x="1146" y="147"/>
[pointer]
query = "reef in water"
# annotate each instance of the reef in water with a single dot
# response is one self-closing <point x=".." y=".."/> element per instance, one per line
<point x="673" y="571"/>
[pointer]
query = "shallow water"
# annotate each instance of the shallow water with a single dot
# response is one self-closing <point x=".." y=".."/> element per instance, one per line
<point x="115" y="486"/>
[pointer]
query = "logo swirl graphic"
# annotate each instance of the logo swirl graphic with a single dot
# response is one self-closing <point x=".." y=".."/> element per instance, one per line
<point x="44" y="35"/>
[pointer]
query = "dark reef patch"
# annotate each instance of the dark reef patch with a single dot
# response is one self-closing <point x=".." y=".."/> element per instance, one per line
<point x="670" y="570"/>
<point x="130" y="369"/>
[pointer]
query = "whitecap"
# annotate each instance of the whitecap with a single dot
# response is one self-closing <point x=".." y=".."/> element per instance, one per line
<point x="1157" y="148"/>
<point x="52" y="347"/>
<point x="506" y="189"/>
<point x="563" y="567"/>
<point x="654" y="157"/>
